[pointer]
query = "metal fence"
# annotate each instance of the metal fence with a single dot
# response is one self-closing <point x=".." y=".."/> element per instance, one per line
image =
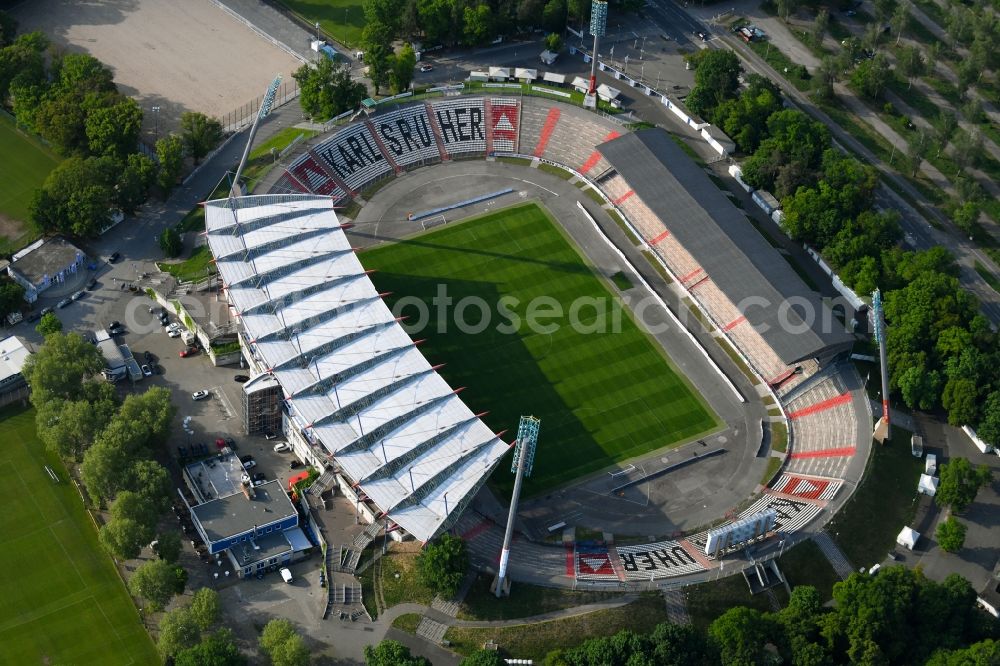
<point x="243" y="116"/>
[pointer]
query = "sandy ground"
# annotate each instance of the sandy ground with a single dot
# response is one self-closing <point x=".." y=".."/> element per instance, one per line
<point x="179" y="55"/>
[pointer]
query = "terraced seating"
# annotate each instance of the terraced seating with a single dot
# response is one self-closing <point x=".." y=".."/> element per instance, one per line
<point x="354" y="155"/>
<point x="663" y="559"/>
<point x="505" y="119"/>
<point x="462" y="125"/>
<point x="825" y="429"/>
<point x="311" y="175"/>
<point x="406" y="133"/>
<point x="286" y="184"/>
<point x="535" y="121"/>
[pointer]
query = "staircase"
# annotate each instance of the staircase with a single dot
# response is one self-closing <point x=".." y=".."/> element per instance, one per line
<point x="350" y="555"/>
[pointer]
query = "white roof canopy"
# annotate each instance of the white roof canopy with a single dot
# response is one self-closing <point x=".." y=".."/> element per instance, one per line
<point x="908" y="538"/>
<point x="354" y="381"/>
<point x="927" y="485"/>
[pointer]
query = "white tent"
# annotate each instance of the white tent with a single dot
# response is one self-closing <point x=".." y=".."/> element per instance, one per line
<point x="927" y="485"/>
<point x="499" y="72"/>
<point x="908" y="537"/>
<point x="552" y="77"/>
<point x="524" y="74"/>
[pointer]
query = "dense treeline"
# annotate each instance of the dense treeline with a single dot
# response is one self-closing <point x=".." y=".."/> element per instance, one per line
<point x="895" y="617"/>
<point x="942" y="351"/>
<point x="71" y="101"/>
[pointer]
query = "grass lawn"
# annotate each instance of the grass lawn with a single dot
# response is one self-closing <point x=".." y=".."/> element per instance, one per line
<point x="396" y="576"/>
<point x="988" y="276"/>
<point x="25" y="164"/>
<point x="407" y="622"/>
<point x="63" y="602"/>
<point x="341" y="19"/>
<point x="779" y="436"/>
<point x="866" y="528"/>
<point x="603" y="395"/>
<point x="773" y="465"/>
<point x="261" y="161"/>
<point x="805" y="564"/>
<point x="524" y="601"/>
<point x="193" y="268"/>
<point x="707" y="601"/>
<point x="534" y="641"/>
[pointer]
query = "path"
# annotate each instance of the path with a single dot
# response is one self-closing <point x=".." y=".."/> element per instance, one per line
<point x="833" y="554"/>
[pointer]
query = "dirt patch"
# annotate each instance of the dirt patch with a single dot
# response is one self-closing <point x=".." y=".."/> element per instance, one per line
<point x="183" y="55"/>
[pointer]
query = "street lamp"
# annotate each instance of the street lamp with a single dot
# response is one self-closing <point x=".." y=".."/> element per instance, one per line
<point x="156" y="122"/>
<point x="316" y="25"/>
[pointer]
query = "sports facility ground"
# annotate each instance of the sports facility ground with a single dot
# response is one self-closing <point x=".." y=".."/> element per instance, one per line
<point x="25" y="165"/>
<point x="603" y="397"/>
<point x="63" y="602"/>
<point x="341" y="19"/>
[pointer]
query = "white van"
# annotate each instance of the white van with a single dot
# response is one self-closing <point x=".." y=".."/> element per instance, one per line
<point x="286" y="575"/>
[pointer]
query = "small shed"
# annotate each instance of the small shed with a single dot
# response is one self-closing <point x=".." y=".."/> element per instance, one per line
<point x="927" y="485"/>
<point x="608" y="93"/>
<point x="908" y="538"/>
<point x="930" y="464"/>
<point x="548" y="57"/>
<point x="552" y="77"/>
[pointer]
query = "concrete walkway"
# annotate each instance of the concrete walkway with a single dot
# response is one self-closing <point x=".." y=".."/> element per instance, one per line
<point x="834" y="555"/>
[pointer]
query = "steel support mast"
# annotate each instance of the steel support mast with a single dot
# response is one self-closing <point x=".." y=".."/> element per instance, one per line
<point x="265" y="108"/>
<point x="598" y="25"/>
<point x="878" y="321"/>
<point x="524" y="458"/>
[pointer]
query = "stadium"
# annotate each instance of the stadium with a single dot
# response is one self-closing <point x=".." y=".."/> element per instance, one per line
<point x="412" y="442"/>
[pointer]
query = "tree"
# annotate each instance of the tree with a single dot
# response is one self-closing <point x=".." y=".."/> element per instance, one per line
<point x="820" y="25"/>
<point x="900" y="19"/>
<point x="554" y="15"/>
<point x="49" y="324"/>
<point x="951" y="534"/>
<point x="378" y="54"/>
<point x="132" y="505"/>
<point x="391" y="653"/>
<point x="786" y="8"/>
<point x="884" y="9"/>
<point x="283" y="645"/>
<point x="553" y="42"/>
<point x="59" y="367"/>
<point x="114" y="130"/>
<point x="910" y="63"/>
<point x="967" y="148"/>
<point x="944" y="127"/>
<point x="124" y="538"/>
<point x="75" y="198"/>
<point x="199" y="133"/>
<point x="204" y="607"/>
<point x="739" y="635"/>
<point x="170" y="154"/>
<point x="960" y="483"/>
<point x="484" y="658"/>
<point x="716" y="78"/>
<point x="478" y="22"/>
<point x="989" y="426"/>
<point x="157" y="581"/>
<point x="529" y="13"/>
<point x="826" y="75"/>
<point x="918" y="146"/>
<point x="402" y="69"/>
<point x="170" y="242"/>
<point x="11" y="297"/>
<point x="442" y="564"/>
<point x="327" y="90"/>
<point x="744" y="119"/>
<point x="178" y="631"/>
<point x="137" y="176"/>
<point x="216" y="649"/>
<point x="385" y="13"/>
<point x="871" y="76"/>
<point x="960" y="397"/>
<point x="168" y="546"/>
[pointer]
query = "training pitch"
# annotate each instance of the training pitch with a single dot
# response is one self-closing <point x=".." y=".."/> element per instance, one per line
<point x="23" y="169"/>
<point x="63" y="602"/>
<point x="602" y="397"/>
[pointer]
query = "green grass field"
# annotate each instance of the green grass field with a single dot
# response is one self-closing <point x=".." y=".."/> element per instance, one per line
<point x="63" y="602"/>
<point x="341" y="19"/>
<point x="23" y="169"/>
<point x="602" y="396"/>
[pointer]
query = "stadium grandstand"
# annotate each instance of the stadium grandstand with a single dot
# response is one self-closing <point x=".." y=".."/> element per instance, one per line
<point x="355" y="386"/>
<point x="742" y="284"/>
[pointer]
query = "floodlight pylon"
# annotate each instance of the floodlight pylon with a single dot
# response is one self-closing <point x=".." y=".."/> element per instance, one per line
<point x="524" y="460"/>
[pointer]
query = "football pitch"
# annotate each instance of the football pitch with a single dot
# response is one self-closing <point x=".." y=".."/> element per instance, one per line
<point x="22" y="170"/>
<point x="63" y="602"/>
<point x="603" y="395"/>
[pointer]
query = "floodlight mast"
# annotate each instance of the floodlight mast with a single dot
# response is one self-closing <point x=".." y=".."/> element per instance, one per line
<point x="878" y="320"/>
<point x="265" y="108"/>
<point x="598" y="25"/>
<point x="524" y="458"/>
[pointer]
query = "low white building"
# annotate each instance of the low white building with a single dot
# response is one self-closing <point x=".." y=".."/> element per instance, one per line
<point x="44" y="263"/>
<point x="13" y="355"/>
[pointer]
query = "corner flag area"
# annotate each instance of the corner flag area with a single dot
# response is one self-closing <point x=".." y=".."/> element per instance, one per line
<point x="603" y="395"/>
<point x="63" y="602"/>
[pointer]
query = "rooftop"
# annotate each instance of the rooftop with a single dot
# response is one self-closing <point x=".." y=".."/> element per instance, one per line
<point x="47" y="259"/>
<point x="751" y="273"/>
<point x="235" y="514"/>
<point x="353" y="379"/>
<point x="13" y="354"/>
<point x="260" y="548"/>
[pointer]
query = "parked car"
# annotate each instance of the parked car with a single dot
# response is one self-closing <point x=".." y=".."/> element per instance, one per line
<point x="64" y="302"/>
<point x="45" y="311"/>
<point x="115" y="257"/>
<point x="250" y="464"/>
<point x="199" y="395"/>
<point x="294" y="463"/>
<point x="173" y="326"/>
<point x="173" y="333"/>
<point x="146" y="371"/>
<point x="426" y="68"/>
<point x="242" y="378"/>
<point x="114" y="324"/>
<point x="164" y="318"/>
<point x="259" y="476"/>
<point x="190" y="351"/>
<point x="149" y="357"/>
<point x="269" y="435"/>
<point x="281" y="447"/>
